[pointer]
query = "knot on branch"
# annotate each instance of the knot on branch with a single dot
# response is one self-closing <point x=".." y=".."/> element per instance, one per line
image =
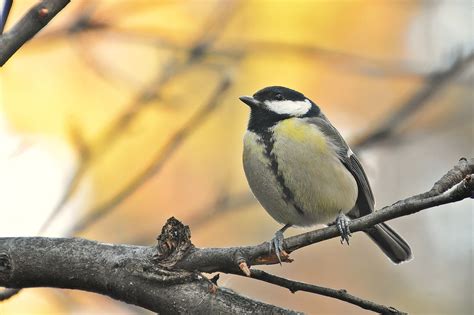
<point x="5" y="264"/>
<point x="173" y="243"/>
<point x="457" y="174"/>
<point x="468" y="185"/>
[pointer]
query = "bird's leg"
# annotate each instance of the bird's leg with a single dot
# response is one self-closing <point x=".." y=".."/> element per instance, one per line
<point x="342" y="223"/>
<point x="277" y="242"/>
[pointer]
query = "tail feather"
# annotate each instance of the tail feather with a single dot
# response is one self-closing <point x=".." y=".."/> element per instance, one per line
<point x="392" y="244"/>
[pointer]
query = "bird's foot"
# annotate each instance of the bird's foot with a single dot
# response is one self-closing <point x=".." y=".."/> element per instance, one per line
<point x="342" y="223"/>
<point x="276" y="244"/>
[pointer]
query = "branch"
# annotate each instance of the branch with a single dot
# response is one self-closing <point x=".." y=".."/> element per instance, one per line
<point x="125" y="273"/>
<point x="342" y="294"/>
<point x="165" y="278"/>
<point x="7" y="5"/>
<point x="30" y="24"/>
<point x="456" y="185"/>
<point x="159" y="160"/>
<point x="5" y="294"/>
<point x="196" y="53"/>
<point x="224" y="203"/>
<point x="434" y="84"/>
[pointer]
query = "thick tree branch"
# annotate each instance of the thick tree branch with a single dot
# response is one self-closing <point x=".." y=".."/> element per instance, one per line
<point x="157" y="277"/>
<point x="126" y="273"/>
<point x="30" y="24"/>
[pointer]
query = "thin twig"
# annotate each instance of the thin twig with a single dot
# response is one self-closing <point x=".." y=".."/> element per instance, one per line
<point x="7" y="5"/>
<point x="116" y="128"/>
<point x="30" y="24"/>
<point x="224" y="203"/>
<point x="5" y="294"/>
<point x="339" y="59"/>
<point x="434" y="84"/>
<point x="158" y="161"/>
<point x="341" y="294"/>
<point x="221" y="205"/>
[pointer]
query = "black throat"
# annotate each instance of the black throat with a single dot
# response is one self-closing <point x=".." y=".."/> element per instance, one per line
<point x="261" y="120"/>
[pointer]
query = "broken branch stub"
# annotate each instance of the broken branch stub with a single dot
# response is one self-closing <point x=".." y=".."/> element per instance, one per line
<point x="174" y="242"/>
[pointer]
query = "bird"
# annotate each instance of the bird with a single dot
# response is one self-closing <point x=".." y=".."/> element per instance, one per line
<point x="303" y="173"/>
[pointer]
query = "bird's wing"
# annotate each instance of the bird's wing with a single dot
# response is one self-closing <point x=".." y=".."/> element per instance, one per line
<point x="365" y="199"/>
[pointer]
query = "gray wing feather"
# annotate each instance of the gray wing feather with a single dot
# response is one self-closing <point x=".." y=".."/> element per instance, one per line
<point x="386" y="238"/>
<point x="365" y="199"/>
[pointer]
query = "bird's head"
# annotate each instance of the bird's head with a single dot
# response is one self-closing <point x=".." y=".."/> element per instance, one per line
<point x="275" y="103"/>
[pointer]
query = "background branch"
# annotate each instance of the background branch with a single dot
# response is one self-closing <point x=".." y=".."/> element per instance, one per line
<point x="159" y="160"/>
<point x="30" y="24"/>
<point x="7" y="5"/>
<point x="433" y="85"/>
<point x="195" y="53"/>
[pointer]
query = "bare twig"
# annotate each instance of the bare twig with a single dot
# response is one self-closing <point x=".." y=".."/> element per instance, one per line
<point x="7" y="5"/>
<point x="339" y="59"/>
<point x="30" y="24"/>
<point x="434" y="84"/>
<point x="341" y="294"/>
<point x="223" y="204"/>
<point x="5" y="294"/>
<point x="113" y="131"/>
<point x="158" y="161"/>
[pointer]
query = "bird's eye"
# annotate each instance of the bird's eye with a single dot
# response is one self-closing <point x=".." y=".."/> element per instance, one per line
<point x="279" y="97"/>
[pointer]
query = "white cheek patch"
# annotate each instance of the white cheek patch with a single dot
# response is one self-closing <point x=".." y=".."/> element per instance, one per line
<point x="292" y="108"/>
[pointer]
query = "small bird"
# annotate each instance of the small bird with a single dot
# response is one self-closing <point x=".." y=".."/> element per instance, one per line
<point x="303" y="173"/>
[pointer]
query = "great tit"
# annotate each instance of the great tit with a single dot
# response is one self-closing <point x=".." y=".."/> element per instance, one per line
<point x="303" y="173"/>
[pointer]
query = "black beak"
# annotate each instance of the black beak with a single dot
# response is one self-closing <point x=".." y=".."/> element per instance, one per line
<point x="250" y="101"/>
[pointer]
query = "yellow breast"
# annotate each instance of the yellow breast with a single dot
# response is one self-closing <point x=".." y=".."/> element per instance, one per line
<point x="308" y="161"/>
<point x="303" y="133"/>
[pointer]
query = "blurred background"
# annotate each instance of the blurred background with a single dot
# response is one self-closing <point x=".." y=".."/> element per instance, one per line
<point x="121" y="114"/>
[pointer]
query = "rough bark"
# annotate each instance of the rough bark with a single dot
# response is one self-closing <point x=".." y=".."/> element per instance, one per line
<point x="125" y="273"/>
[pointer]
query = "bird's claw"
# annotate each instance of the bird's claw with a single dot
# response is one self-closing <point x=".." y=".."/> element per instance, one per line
<point x="342" y="223"/>
<point x="277" y="244"/>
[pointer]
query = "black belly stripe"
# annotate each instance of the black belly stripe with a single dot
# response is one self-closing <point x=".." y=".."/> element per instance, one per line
<point x="288" y="196"/>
